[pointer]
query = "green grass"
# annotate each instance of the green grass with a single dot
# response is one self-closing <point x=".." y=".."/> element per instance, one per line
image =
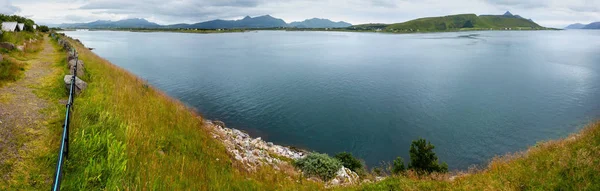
<point x="18" y="38"/>
<point x="11" y="70"/>
<point x="569" y="164"/>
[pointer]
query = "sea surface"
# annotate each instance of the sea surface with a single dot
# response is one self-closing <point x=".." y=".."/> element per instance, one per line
<point x="474" y="95"/>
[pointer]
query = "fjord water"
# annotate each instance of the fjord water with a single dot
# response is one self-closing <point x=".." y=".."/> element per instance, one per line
<point x="474" y="95"/>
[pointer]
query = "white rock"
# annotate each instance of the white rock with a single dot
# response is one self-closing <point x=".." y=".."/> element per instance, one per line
<point x="344" y="177"/>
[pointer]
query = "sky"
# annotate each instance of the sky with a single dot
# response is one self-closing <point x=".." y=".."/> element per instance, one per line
<point x="549" y="13"/>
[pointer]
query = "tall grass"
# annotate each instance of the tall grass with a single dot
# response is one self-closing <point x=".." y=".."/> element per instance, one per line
<point x="572" y="163"/>
<point x="10" y="70"/>
<point x="18" y="38"/>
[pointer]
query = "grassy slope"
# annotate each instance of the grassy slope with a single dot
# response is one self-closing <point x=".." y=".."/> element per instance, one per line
<point x="130" y="136"/>
<point x="457" y="22"/>
<point x="127" y="135"/>
<point x="569" y="164"/>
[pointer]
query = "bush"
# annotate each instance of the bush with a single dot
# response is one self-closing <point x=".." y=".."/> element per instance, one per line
<point x="349" y="161"/>
<point x="423" y="159"/>
<point x="10" y="70"/>
<point x="319" y="165"/>
<point x="398" y="166"/>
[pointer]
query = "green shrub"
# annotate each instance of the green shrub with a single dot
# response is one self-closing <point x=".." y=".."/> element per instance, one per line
<point x="398" y="166"/>
<point x="319" y="165"/>
<point x="423" y="159"/>
<point x="349" y="161"/>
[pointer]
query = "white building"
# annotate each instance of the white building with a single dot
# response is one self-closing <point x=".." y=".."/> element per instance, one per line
<point x="9" y="26"/>
<point x="34" y="27"/>
<point x="21" y="26"/>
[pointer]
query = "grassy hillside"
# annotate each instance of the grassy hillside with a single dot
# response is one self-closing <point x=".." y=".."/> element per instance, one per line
<point x="463" y="22"/>
<point x="568" y="164"/>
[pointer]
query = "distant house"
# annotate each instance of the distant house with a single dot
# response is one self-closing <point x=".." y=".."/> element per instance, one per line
<point x="34" y="27"/>
<point x="9" y="26"/>
<point x="21" y="26"/>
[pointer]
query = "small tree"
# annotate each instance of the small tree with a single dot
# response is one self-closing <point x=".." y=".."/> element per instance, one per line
<point x="398" y="166"/>
<point x="423" y="159"/>
<point x="349" y="161"/>
<point x="43" y="28"/>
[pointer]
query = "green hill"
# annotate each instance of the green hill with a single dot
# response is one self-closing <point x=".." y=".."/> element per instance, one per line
<point x="464" y="22"/>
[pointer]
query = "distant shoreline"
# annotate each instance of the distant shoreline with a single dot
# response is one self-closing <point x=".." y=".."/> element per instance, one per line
<point x="219" y="31"/>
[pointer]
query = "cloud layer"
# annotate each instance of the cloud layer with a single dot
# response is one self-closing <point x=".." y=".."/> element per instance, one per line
<point x="553" y="13"/>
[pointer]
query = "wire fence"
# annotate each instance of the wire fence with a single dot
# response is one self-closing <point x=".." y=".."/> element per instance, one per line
<point x="64" y="143"/>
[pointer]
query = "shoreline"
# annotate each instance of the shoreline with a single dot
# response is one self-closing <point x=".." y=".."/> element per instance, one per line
<point x="250" y="151"/>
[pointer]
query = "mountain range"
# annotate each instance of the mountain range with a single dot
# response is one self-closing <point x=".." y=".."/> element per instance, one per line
<point x="594" y="25"/>
<point x="266" y="21"/>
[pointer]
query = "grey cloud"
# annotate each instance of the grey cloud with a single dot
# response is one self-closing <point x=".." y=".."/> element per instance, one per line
<point x="520" y="3"/>
<point x="6" y="7"/>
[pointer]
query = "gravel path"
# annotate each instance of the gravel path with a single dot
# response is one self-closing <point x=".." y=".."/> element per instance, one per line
<point x="20" y="110"/>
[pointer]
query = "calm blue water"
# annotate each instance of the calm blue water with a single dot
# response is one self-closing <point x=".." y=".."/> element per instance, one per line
<point x="473" y="95"/>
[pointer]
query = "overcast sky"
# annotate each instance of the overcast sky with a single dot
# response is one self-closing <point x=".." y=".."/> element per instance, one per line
<point x="551" y="13"/>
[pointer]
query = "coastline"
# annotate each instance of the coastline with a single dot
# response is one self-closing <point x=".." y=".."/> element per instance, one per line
<point x="251" y="151"/>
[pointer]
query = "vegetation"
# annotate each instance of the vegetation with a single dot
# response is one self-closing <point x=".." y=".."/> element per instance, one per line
<point x="10" y="70"/>
<point x="350" y="161"/>
<point x="572" y="163"/>
<point x="43" y="28"/>
<point x="319" y="165"/>
<point x="398" y="166"/>
<point x="18" y="38"/>
<point x="423" y="159"/>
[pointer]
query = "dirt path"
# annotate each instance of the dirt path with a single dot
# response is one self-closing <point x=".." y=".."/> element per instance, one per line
<point x="21" y="116"/>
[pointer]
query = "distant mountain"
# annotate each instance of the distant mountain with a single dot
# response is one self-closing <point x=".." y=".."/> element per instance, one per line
<point x="595" y="25"/>
<point x="266" y="21"/>
<point x="575" y="26"/>
<point x="319" y="23"/>
<point x="127" y="23"/>
<point x="463" y="22"/>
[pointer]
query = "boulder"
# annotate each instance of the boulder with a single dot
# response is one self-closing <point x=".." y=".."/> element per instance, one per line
<point x="71" y="55"/>
<point x="7" y="45"/>
<point x="80" y="85"/>
<point x="80" y="67"/>
<point x="344" y="177"/>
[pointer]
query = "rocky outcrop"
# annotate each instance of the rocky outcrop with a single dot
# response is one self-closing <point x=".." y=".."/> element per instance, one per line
<point x="255" y="152"/>
<point x="7" y="45"/>
<point x="252" y="152"/>
<point x="80" y="85"/>
<point x="344" y="177"/>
